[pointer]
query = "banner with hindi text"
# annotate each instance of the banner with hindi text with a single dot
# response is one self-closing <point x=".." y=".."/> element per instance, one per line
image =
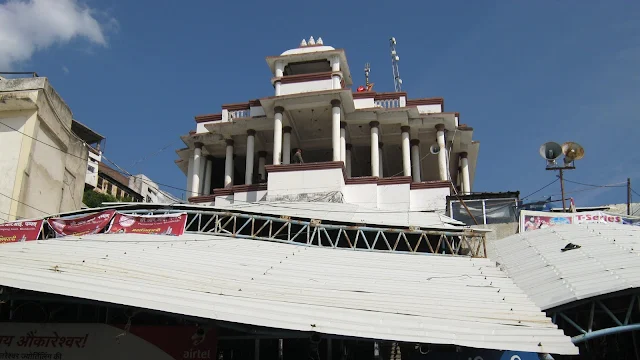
<point x="105" y="342"/>
<point x="533" y="220"/>
<point x="169" y="224"/>
<point x="20" y="231"/>
<point x="81" y="225"/>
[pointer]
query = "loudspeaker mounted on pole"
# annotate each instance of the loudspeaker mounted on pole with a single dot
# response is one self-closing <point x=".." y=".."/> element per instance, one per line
<point x="551" y="151"/>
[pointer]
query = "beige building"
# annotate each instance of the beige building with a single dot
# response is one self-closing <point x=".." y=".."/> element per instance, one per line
<point x="37" y="179"/>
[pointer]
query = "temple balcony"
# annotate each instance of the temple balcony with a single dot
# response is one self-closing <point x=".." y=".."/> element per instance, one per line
<point x="327" y="182"/>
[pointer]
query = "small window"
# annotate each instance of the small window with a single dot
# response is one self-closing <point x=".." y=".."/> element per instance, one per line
<point x="100" y="182"/>
<point x="109" y="188"/>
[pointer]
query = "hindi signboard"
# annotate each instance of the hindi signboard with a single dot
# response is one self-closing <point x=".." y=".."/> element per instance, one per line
<point x="81" y="225"/>
<point x="102" y="341"/>
<point x="169" y="224"/>
<point x="532" y="220"/>
<point x="20" y="231"/>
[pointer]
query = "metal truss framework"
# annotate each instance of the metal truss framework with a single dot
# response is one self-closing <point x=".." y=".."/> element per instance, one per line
<point x="594" y="318"/>
<point x="315" y="233"/>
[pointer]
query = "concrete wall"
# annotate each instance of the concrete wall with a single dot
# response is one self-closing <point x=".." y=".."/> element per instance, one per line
<point x="295" y="185"/>
<point x="430" y="199"/>
<point x="307" y="86"/>
<point x="91" y="177"/>
<point x="429" y="109"/>
<point x="393" y="197"/>
<point x="40" y="179"/>
<point x="362" y="194"/>
<point x="10" y="160"/>
<point x="364" y="103"/>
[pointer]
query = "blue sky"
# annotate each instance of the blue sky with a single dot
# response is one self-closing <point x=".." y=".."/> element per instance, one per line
<point x="521" y="73"/>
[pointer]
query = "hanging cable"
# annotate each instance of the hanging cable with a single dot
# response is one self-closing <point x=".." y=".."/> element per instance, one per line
<point x="25" y="204"/>
<point x="621" y="184"/>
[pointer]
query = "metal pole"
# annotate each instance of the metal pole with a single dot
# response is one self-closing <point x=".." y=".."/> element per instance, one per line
<point x="628" y="196"/>
<point x="256" y="349"/>
<point x="564" y="208"/>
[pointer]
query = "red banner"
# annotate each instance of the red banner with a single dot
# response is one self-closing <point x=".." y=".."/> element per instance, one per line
<point x="88" y="224"/>
<point x="20" y="231"/>
<point x="170" y="224"/>
<point x="102" y="341"/>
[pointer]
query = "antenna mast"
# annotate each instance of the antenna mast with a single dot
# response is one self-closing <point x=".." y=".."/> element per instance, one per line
<point x="367" y="69"/>
<point x="397" y="82"/>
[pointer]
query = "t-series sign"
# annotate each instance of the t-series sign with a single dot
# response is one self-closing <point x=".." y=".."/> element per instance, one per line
<point x="477" y="354"/>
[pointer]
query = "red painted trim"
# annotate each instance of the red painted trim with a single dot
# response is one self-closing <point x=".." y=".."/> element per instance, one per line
<point x="247" y="188"/>
<point x="389" y="95"/>
<point x="291" y="79"/>
<point x="430" y="185"/>
<point x="223" y="192"/>
<point x="361" y="180"/>
<point x="236" y="106"/>
<point x="396" y="180"/>
<point x="202" y="199"/>
<point x="208" y="117"/>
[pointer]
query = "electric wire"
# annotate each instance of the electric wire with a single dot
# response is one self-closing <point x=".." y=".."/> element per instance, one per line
<point x="621" y="184"/>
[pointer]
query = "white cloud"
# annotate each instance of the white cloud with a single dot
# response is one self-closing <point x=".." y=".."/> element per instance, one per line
<point x="30" y="25"/>
<point x="65" y="69"/>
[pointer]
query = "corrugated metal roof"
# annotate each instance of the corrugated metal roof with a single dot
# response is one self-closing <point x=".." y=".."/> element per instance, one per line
<point x="607" y="261"/>
<point x="350" y="213"/>
<point x="402" y="297"/>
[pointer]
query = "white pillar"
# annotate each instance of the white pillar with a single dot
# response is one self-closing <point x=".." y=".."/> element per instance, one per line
<point x="278" y="73"/>
<point x="203" y="165"/>
<point x="335" y="63"/>
<point x="375" y="154"/>
<point x="415" y="160"/>
<point x="335" y="129"/>
<point x="189" y="176"/>
<point x="442" y="155"/>
<point x="348" y="160"/>
<point x="406" y="151"/>
<point x="207" y="177"/>
<point x="277" y="135"/>
<point x="335" y="67"/>
<point x="343" y="142"/>
<point x="464" y="171"/>
<point x="248" y="172"/>
<point x="228" y="165"/>
<point x="278" y="87"/>
<point x="262" y="161"/>
<point x="380" y="157"/>
<point x="286" y="145"/>
<point x="195" y="178"/>
<point x="337" y="83"/>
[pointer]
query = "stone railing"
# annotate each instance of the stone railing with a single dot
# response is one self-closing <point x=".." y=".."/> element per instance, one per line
<point x="245" y="113"/>
<point x="388" y="103"/>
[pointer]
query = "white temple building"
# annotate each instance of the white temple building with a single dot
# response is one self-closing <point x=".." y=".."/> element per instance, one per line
<point x="375" y="150"/>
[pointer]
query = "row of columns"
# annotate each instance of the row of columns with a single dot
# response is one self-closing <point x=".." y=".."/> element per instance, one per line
<point x="200" y="168"/>
<point x="411" y="159"/>
<point x="282" y="136"/>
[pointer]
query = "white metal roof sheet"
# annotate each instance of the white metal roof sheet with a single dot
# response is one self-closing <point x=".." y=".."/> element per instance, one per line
<point x="607" y="261"/>
<point x="352" y="213"/>
<point x="402" y="297"/>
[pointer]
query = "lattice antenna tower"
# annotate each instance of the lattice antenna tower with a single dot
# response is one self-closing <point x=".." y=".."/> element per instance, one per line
<point x="397" y="82"/>
<point x="367" y="69"/>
